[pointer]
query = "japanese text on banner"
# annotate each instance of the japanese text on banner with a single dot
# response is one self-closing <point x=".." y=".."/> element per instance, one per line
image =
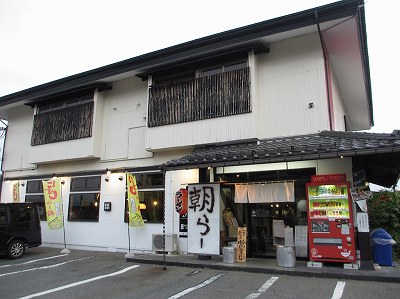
<point x="181" y="206"/>
<point x="204" y="219"/>
<point x="135" y="217"/>
<point x="16" y="192"/>
<point x="53" y="203"/>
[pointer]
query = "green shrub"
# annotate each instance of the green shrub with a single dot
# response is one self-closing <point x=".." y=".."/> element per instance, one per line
<point x="384" y="212"/>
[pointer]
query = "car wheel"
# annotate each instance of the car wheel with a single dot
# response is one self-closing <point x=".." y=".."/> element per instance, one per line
<point x="16" y="249"/>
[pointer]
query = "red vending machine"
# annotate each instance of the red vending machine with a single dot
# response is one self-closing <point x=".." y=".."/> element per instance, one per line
<point x="330" y="219"/>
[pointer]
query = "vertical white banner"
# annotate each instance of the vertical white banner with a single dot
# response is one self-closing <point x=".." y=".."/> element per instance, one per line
<point x="204" y="219"/>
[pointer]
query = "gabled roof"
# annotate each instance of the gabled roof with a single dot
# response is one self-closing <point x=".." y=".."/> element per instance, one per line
<point x="377" y="149"/>
<point x="342" y="24"/>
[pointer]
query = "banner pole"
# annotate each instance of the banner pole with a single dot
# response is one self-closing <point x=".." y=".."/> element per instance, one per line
<point x="65" y="250"/>
<point x="164" y="261"/>
<point x="127" y="203"/>
<point x="129" y="239"/>
<point x="129" y="254"/>
<point x="65" y="242"/>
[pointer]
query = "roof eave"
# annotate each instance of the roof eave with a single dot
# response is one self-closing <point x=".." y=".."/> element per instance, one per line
<point x="365" y="57"/>
<point x="292" y="158"/>
<point x="232" y="37"/>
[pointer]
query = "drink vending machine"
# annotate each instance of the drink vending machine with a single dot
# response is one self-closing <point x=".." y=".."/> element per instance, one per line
<point x="330" y="219"/>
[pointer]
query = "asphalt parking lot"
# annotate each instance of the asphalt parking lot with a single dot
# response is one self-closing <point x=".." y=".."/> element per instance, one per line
<point x="46" y="273"/>
<point x="43" y="271"/>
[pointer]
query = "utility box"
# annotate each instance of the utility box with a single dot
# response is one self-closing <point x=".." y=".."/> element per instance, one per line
<point x="168" y="244"/>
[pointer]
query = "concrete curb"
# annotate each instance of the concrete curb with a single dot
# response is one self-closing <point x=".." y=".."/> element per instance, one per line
<point x="308" y="272"/>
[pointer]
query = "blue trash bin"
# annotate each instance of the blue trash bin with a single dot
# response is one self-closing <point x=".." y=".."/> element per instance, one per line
<point x="382" y="243"/>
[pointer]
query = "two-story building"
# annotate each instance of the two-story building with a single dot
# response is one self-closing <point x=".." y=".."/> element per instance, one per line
<point x="276" y="101"/>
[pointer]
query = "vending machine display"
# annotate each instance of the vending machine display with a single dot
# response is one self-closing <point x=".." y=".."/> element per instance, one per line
<point x="330" y="221"/>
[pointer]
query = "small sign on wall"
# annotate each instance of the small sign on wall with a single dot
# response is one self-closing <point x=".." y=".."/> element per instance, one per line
<point x="301" y="240"/>
<point x="362" y="222"/>
<point x="181" y="206"/>
<point x="107" y="206"/>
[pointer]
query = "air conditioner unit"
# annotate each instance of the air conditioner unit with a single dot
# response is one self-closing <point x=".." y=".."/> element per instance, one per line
<point x="170" y="242"/>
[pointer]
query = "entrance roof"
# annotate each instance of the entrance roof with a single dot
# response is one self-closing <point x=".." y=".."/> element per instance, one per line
<point x="380" y="152"/>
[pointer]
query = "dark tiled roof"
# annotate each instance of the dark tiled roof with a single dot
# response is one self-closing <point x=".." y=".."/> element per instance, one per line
<point x="322" y="145"/>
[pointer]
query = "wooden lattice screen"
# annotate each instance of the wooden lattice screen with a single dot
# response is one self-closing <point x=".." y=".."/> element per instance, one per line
<point x="201" y="98"/>
<point x="63" y="124"/>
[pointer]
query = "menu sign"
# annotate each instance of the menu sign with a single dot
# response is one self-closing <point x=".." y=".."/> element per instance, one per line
<point x="241" y="245"/>
<point x="320" y="226"/>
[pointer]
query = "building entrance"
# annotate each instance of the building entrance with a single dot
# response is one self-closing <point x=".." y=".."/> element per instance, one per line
<point x="258" y="217"/>
<point x="261" y="226"/>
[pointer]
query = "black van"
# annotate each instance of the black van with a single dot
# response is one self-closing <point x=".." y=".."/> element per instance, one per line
<point x="19" y="228"/>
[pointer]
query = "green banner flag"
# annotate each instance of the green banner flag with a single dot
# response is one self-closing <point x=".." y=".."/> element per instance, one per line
<point x="16" y="192"/>
<point x="53" y="203"/>
<point x="135" y="217"/>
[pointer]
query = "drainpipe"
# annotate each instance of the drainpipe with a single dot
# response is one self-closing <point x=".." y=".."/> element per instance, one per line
<point x="327" y="76"/>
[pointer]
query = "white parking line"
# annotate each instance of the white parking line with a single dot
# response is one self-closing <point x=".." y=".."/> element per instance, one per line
<point x="263" y="288"/>
<point x="45" y="267"/>
<point x="79" y="283"/>
<point x="338" y="292"/>
<point x="204" y="283"/>
<point x="33" y="261"/>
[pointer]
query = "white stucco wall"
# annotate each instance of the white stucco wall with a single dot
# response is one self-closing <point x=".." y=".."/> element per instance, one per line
<point x="334" y="166"/>
<point x="175" y="180"/>
<point x="339" y="110"/>
<point x="124" y="115"/>
<point x="18" y="139"/>
<point x="284" y="81"/>
<point x="289" y="78"/>
<point x="110" y="233"/>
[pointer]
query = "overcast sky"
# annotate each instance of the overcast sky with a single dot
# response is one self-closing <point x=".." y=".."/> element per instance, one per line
<point x="44" y="40"/>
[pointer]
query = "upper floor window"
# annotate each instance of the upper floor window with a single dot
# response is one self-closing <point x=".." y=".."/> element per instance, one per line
<point x="64" y="104"/>
<point x="223" y="68"/>
<point x="63" y="118"/>
<point x="216" y="91"/>
<point x="174" y="78"/>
